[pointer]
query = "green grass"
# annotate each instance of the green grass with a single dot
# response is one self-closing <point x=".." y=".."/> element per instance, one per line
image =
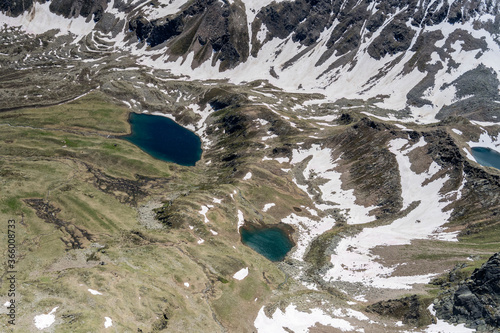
<point x="13" y="205"/>
<point x="93" y="112"/>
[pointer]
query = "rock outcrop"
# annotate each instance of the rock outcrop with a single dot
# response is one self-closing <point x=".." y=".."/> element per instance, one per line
<point x="447" y="47"/>
<point x="476" y="301"/>
<point x="90" y="9"/>
<point x="410" y="310"/>
<point x="211" y="29"/>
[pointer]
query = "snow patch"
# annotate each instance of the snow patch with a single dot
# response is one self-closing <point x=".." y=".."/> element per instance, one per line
<point x="297" y="321"/>
<point x="268" y="206"/>
<point x="44" y="321"/>
<point x="241" y="220"/>
<point x="442" y="327"/>
<point x="204" y="211"/>
<point x="108" y="322"/>
<point x="354" y="262"/>
<point x="469" y="155"/>
<point x="241" y="274"/>
<point x="94" y="292"/>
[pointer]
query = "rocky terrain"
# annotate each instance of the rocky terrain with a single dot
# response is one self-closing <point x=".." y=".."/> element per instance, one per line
<point x="419" y="59"/>
<point x="475" y="301"/>
<point x="349" y="122"/>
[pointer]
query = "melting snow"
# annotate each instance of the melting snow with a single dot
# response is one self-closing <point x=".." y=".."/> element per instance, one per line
<point x="308" y="230"/>
<point x="354" y="261"/>
<point x="163" y="9"/>
<point x="268" y="206"/>
<point x="108" y="322"/>
<point x="322" y="166"/>
<point x="186" y="284"/>
<point x="241" y="274"/>
<point x="204" y="211"/>
<point x="45" y="320"/>
<point x="360" y="298"/>
<point x="94" y="292"/>
<point x="443" y="327"/>
<point x="297" y="321"/>
<point x="486" y="141"/>
<point x="45" y="20"/>
<point x="241" y="220"/>
<point x="247" y="176"/>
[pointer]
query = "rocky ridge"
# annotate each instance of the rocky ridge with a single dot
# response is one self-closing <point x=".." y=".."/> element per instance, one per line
<point x="410" y="47"/>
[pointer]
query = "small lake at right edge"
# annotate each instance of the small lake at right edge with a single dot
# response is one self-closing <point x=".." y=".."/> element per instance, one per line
<point x="486" y="156"/>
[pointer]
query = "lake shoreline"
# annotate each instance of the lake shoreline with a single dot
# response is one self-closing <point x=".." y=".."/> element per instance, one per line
<point x="163" y="139"/>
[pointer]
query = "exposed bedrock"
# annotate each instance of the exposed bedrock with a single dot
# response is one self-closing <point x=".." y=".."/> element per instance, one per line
<point x="211" y="29"/>
<point x="475" y="301"/>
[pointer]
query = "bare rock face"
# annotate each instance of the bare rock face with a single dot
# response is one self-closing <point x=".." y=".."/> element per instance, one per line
<point x="15" y="7"/>
<point x="211" y="29"/>
<point x="477" y="87"/>
<point x="394" y="38"/>
<point x="475" y="301"/>
<point x="90" y="9"/>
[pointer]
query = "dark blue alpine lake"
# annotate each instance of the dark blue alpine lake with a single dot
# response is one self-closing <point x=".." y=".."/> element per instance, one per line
<point x="164" y="139"/>
<point x="486" y="156"/>
<point x="271" y="241"/>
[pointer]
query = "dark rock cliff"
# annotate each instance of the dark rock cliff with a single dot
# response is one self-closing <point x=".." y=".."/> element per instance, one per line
<point x="90" y="9"/>
<point x="475" y="301"/>
<point x="211" y="29"/>
<point x="15" y="7"/>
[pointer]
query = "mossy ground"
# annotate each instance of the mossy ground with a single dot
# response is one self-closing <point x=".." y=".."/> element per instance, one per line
<point x="54" y="154"/>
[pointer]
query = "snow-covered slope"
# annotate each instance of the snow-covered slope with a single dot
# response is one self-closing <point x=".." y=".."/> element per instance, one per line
<point x="424" y="58"/>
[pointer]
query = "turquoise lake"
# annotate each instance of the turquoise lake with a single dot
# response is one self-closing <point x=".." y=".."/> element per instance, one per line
<point x="486" y="157"/>
<point x="164" y="139"/>
<point x="271" y="242"/>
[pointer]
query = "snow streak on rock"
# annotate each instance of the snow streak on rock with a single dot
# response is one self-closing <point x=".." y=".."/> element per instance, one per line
<point x="354" y="262"/>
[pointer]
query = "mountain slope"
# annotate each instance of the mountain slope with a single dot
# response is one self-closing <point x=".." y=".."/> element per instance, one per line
<point x="346" y="124"/>
<point x="425" y="59"/>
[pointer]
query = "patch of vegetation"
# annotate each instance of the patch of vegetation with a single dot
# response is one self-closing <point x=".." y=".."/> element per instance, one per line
<point x="94" y="111"/>
<point x="410" y="310"/>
